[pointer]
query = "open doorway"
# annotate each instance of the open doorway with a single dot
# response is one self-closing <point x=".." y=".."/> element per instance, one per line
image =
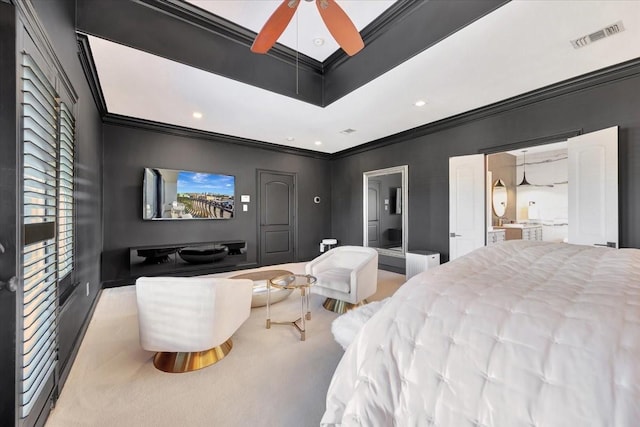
<point x="477" y="218"/>
<point x="529" y="194"/>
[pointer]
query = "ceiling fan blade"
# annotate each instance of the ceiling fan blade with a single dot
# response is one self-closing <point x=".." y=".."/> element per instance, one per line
<point x="340" y="26"/>
<point x="274" y="26"/>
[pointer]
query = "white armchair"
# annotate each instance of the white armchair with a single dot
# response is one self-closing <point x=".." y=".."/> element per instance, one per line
<point x="347" y="275"/>
<point x="189" y="321"/>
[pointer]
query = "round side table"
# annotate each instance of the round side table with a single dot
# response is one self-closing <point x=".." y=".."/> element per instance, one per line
<point x="292" y="281"/>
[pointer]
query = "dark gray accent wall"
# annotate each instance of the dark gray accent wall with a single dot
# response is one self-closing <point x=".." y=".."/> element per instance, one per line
<point x="8" y="211"/>
<point x="589" y="105"/>
<point x="58" y="18"/>
<point x="128" y="149"/>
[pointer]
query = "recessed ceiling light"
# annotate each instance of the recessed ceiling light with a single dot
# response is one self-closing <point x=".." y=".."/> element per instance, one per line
<point x="420" y="103"/>
<point x="318" y="142"/>
<point x="290" y="138"/>
<point x="318" y="41"/>
<point x="197" y="114"/>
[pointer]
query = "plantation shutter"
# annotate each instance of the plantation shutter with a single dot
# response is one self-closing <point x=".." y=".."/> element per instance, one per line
<point x="39" y="253"/>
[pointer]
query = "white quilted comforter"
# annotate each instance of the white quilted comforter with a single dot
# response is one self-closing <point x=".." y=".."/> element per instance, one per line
<point x="519" y="334"/>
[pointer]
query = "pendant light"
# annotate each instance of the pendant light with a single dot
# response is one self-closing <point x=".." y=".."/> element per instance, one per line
<point x="524" y="169"/>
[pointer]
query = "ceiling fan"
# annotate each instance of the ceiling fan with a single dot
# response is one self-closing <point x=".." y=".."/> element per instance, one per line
<point x="336" y="20"/>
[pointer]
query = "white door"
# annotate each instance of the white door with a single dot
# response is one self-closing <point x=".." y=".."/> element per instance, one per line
<point x="593" y="188"/>
<point x="466" y="204"/>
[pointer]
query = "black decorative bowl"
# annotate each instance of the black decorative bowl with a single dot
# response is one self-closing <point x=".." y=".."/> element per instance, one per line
<point x="202" y="255"/>
<point x="156" y="256"/>
<point x="234" y="248"/>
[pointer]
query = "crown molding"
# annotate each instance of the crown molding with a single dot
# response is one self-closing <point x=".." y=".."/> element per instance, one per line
<point x="587" y="81"/>
<point x="375" y="29"/>
<point x="90" y="72"/>
<point x="601" y="77"/>
<point x="182" y="131"/>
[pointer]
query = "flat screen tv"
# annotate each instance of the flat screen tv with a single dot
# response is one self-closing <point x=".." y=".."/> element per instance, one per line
<point x="177" y="194"/>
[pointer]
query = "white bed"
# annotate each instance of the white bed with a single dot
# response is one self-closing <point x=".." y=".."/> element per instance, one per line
<point x="519" y="334"/>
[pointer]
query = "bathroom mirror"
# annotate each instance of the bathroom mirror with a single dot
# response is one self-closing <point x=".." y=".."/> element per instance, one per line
<point x="385" y="210"/>
<point x="499" y="198"/>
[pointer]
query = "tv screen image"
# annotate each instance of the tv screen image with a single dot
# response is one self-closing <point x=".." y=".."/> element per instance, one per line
<point x="179" y="194"/>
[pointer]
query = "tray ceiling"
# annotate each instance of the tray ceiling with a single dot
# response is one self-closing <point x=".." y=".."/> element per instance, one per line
<point x="517" y="48"/>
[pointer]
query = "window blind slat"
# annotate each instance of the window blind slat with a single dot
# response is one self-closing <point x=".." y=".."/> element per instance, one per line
<point x="32" y="72"/>
<point x="39" y="371"/>
<point x="38" y="303"/>
<point x="33" y="183"/>
<point x="46" y="315"/>
<point x="36" y="263"/>
<point x="28" y="400"/>
<point x="39" y="151"/>
<point x="33" y="137"/>
<point x="32" y="107"/>
<point x="41" y="127"/>
<point x="45" y="279"/>
<point x="29" y="396"/>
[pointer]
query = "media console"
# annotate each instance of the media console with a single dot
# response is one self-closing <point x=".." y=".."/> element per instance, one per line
<point x="175" y="259"/>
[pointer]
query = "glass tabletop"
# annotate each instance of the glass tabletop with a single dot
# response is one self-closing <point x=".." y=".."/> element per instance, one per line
<point x="292" y="281"/>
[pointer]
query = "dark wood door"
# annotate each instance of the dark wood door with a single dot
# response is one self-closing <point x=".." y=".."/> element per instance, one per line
<point x="277" y="217"/>
<point x="373" y="214"/>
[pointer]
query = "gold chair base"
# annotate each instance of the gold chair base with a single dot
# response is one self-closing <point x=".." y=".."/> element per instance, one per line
<point x="339" y="306"/>
<point x="180" y="362"/>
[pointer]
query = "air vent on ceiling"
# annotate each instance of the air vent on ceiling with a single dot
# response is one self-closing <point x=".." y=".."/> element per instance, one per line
<point x="598" y="35"/>
<point x="348" y="131"/>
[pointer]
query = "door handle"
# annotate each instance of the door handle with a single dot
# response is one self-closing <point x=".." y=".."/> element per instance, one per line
<point x="455" y="235"/>
<point x="11" y="285"/>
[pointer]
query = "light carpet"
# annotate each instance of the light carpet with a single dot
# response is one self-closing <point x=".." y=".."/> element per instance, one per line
<point x="270" y="377"/>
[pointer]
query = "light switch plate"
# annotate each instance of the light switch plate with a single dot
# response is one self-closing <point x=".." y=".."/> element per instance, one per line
<point x="245" y="198"/>
<point x="245" y="208"/>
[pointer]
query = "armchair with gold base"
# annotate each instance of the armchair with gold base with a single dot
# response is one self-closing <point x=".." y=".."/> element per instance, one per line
<point x="189" y="321"/>
<point x="346" y="275"/>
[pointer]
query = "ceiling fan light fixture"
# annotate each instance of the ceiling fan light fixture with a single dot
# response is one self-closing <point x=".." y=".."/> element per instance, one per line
<point x="338" y="23"/>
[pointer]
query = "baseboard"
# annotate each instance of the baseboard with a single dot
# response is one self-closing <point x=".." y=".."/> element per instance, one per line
<point x="391" y="268"/>
<point x="64" y="372"/>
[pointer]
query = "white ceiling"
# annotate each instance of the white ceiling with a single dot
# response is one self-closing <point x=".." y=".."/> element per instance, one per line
<point x="521" y="46"/>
